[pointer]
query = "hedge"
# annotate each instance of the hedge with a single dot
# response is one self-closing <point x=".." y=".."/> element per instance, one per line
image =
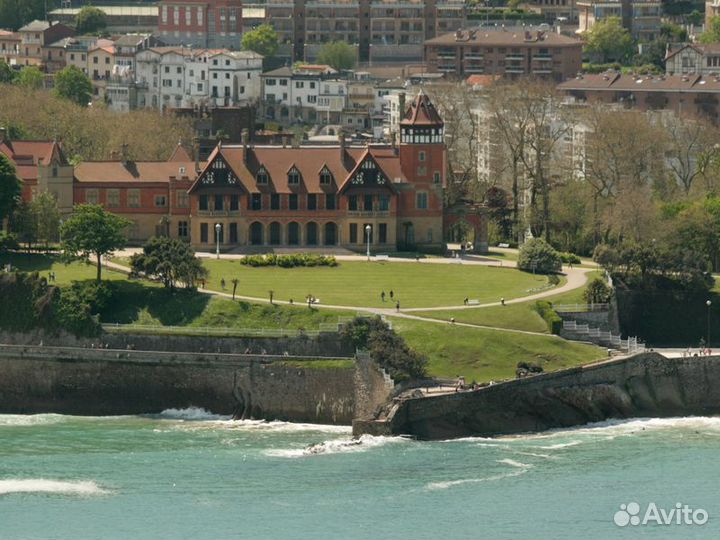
<point x="549" y="315"/>
<point x="289" y="261"/>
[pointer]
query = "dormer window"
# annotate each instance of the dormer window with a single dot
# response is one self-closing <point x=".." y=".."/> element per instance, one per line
<point x="262" y="176"/>
<point x="293" y="176"/>
<point x="325" y="177"/>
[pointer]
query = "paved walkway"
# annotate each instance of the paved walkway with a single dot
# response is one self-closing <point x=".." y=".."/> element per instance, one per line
<point x="576" y="278"/>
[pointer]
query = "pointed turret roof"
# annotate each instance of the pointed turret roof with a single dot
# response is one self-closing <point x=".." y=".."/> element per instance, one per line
<point x="421" y="112"/>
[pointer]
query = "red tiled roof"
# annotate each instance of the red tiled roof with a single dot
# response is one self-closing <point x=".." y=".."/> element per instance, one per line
<point x="421" y="112"/>
<point x="27" y="155"/>
<point x="644" y="83"/>
<point x="481" y="80"/>
<point x="140" y="171"/>
<point x="180" y="154"/>
<point x="309" y="160"/>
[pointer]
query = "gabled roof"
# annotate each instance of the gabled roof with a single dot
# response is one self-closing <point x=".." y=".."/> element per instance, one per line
<point x="35" y="26"/>
<point x="27" y="155"/>
<point x="309" y="161"/>
<point x="422" y="112"/>
<point x="133" y="171"/>
<point x="180" y="154"/>
<point x="367" y="156"/>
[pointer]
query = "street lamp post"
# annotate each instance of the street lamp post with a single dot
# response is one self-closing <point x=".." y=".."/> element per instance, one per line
<point x="708" y="304"/>
<point x="218" y="228"/>
<point x="368" y="229"/>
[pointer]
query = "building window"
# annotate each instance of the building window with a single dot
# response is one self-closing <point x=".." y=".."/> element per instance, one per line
<point x="382" y="233"/>
<point x="256" y="201"/>
<point x="330" y="202"/>
<point x="91" y="196"/>
<point x="182" y="198"/>
<point x="421" y="156"/>
<point x="430" y="235"/>
<point x="234" y="202"/>
<point x="437" y="178"/>
<point x="325" y="177"/>
<point x="293" y="177"/>
<point x="113" y="198"/>
<point x="262" y="176"/>
<point x="352" y="202"/>
<point x="164" y="14"/>
<point x="384" y="203"/>
<point x="204" y="233"/>
<point x="203" y="202"/>
<point x="160" y="201"/>
<point x="219" y="203"/>
<point x="274" y="201"/>
<point x="182" y="229"/>
<point x="353" y="233"/>
<point x="293" y="201"/>
<point x="422" y="200"/>
<point x="368" y="203"/>
<point x="134" y="198"/>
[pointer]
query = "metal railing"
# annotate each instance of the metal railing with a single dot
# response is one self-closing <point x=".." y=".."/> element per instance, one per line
<point x="213" y="331"/>
<point x="601" y="337"/>
<point x="581" y="308"/>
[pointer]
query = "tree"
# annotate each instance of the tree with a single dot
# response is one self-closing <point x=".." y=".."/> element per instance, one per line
<point x="690" y="147"/>
<point x="607" y="40"/>
<point x="71" y="83"/>
<point x="597" y="292"/>
<point x="93" y="231"/>
<point x="24" y="225"/>
<point x="536" y="255"/>
<point x="30" y="77"/>
<point x="172" y="261"/>
<point x="338" y="55"/>
<point x="17" y="13"/>
<point x="7" y="74"/>
<point x="263" y="40"/>
<point x="47" y="217"/>
<point x="712" y="31"/>
<point x="10" y="188"/>
<point x="90" y="20"/>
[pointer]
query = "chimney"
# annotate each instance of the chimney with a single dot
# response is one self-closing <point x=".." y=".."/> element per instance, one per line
<point x="3" y="134"/>
<point x="244" y="139"/>
<point x="196" y="151"/>
<point x="341" y="140"/>
<point x="124" y="155"/>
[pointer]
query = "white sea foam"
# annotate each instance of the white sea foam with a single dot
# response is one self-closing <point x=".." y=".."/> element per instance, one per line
<point x="520" y="468"/>
<point x="41" y="485"/>
<point x="558" y="446"/>
<point x="336" y="446"/>
<point x="191" y="414"/>
<point x="30" y="419"/>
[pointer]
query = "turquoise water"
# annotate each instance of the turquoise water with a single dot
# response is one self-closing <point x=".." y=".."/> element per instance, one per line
<point x="185" y="474"/>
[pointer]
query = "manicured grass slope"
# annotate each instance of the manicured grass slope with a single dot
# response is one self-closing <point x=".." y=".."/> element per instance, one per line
<point x="360" y="283"/>
<point x="485" y="355"/>
<point x="65" y="273"/>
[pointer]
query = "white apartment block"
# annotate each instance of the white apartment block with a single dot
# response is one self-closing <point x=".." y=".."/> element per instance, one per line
<point x="180" y="77"/>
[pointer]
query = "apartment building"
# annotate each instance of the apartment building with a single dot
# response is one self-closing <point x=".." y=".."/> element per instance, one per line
<point x="712" y="9"/>
<point x="508" y="52"/>
<point x="9" y="46"/>
<point x="383" y="31"/>
<point x="692" y="95"/>
<point x="306" y="93"/>
<point x="34" y="37"/>
<point x="201" y="23"/>
<point x="692" y="58"/>
<point x="641" y="17"/>
<point x="179" y="77"/>
<point x="561" y="11"/>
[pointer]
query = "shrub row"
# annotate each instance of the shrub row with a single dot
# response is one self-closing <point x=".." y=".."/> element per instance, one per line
<point x="549" y="315"/>
<point x="289" y="261"/>
<point x="569" y="258"/>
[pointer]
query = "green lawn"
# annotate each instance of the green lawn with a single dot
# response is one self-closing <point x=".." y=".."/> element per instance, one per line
<point x="520" y="316"/>
<point x="360" y="283"/>
<point x="485" y="355"/>
<point x="65" y="273"/>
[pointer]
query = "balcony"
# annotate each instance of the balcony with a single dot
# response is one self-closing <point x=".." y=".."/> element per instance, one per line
<point x="474" y="56"/>
<point x="474" y="69"/>
<point x="514" y="56"/>
<point x="372" y="213"/>
<point x="447" y="56"/>
<point x="514" y="69"/>
<point x="542" y="71"/>
<point x="543" y="57"/>
<point x="447" y="68"/>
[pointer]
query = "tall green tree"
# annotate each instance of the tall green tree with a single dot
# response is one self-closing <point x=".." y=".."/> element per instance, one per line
<point x="607" y="40"/>
<point x="90" y="20"/>
<point x="263" y="40"/>
<point x="24" y="225"/>
<point x="7" y="74"/>
<point x="30" y="77"/>
<point x="71" y="83"/>
<point x="47" y="217"/>
<point x="17" y="13"/>
<point x="712" y="31"/>
<point x="9" y="188"/>
<point x="338" y="55"/>
<point x="172" y="261"/>
<point x="91" y="231"/>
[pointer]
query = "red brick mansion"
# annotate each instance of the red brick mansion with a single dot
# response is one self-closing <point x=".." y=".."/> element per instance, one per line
<point x="275" y="196"/>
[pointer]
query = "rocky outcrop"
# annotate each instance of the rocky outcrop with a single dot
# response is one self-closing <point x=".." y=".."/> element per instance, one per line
<point x="646" y="384"/>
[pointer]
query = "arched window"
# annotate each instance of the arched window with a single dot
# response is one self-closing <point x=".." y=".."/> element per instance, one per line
<point x="330" y="234"/>
<point x="311" y="234"/>
<point x="293" y="233"/>
<point x="256" y="234"/>
<point x="275" y="233"/>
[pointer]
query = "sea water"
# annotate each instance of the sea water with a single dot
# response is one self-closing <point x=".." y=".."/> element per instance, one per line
<point x="189" y="474"/>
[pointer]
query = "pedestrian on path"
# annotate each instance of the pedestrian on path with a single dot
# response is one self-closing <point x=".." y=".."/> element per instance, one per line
<point x="466" y="301"/>
<point x="382" y="296"/>
<point x="502" y="301"/>
<point x="397" y="306"/>
<point x="392" y="294"/>
<point x="222" y="283"/>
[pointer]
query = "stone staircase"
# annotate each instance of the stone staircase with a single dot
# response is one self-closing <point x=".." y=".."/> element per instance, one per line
<point x="575" y="331"/>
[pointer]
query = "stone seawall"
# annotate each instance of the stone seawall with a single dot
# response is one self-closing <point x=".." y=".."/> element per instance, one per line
<point x="71" y="380"/>
<point x="644" y="385"/>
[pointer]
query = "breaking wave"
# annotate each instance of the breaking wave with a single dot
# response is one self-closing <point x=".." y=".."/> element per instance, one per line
<point x="41" y="485"/>
<point x="520" y="468"/>
<point x="336" y="446"/>
<point x="193" y="414"/>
